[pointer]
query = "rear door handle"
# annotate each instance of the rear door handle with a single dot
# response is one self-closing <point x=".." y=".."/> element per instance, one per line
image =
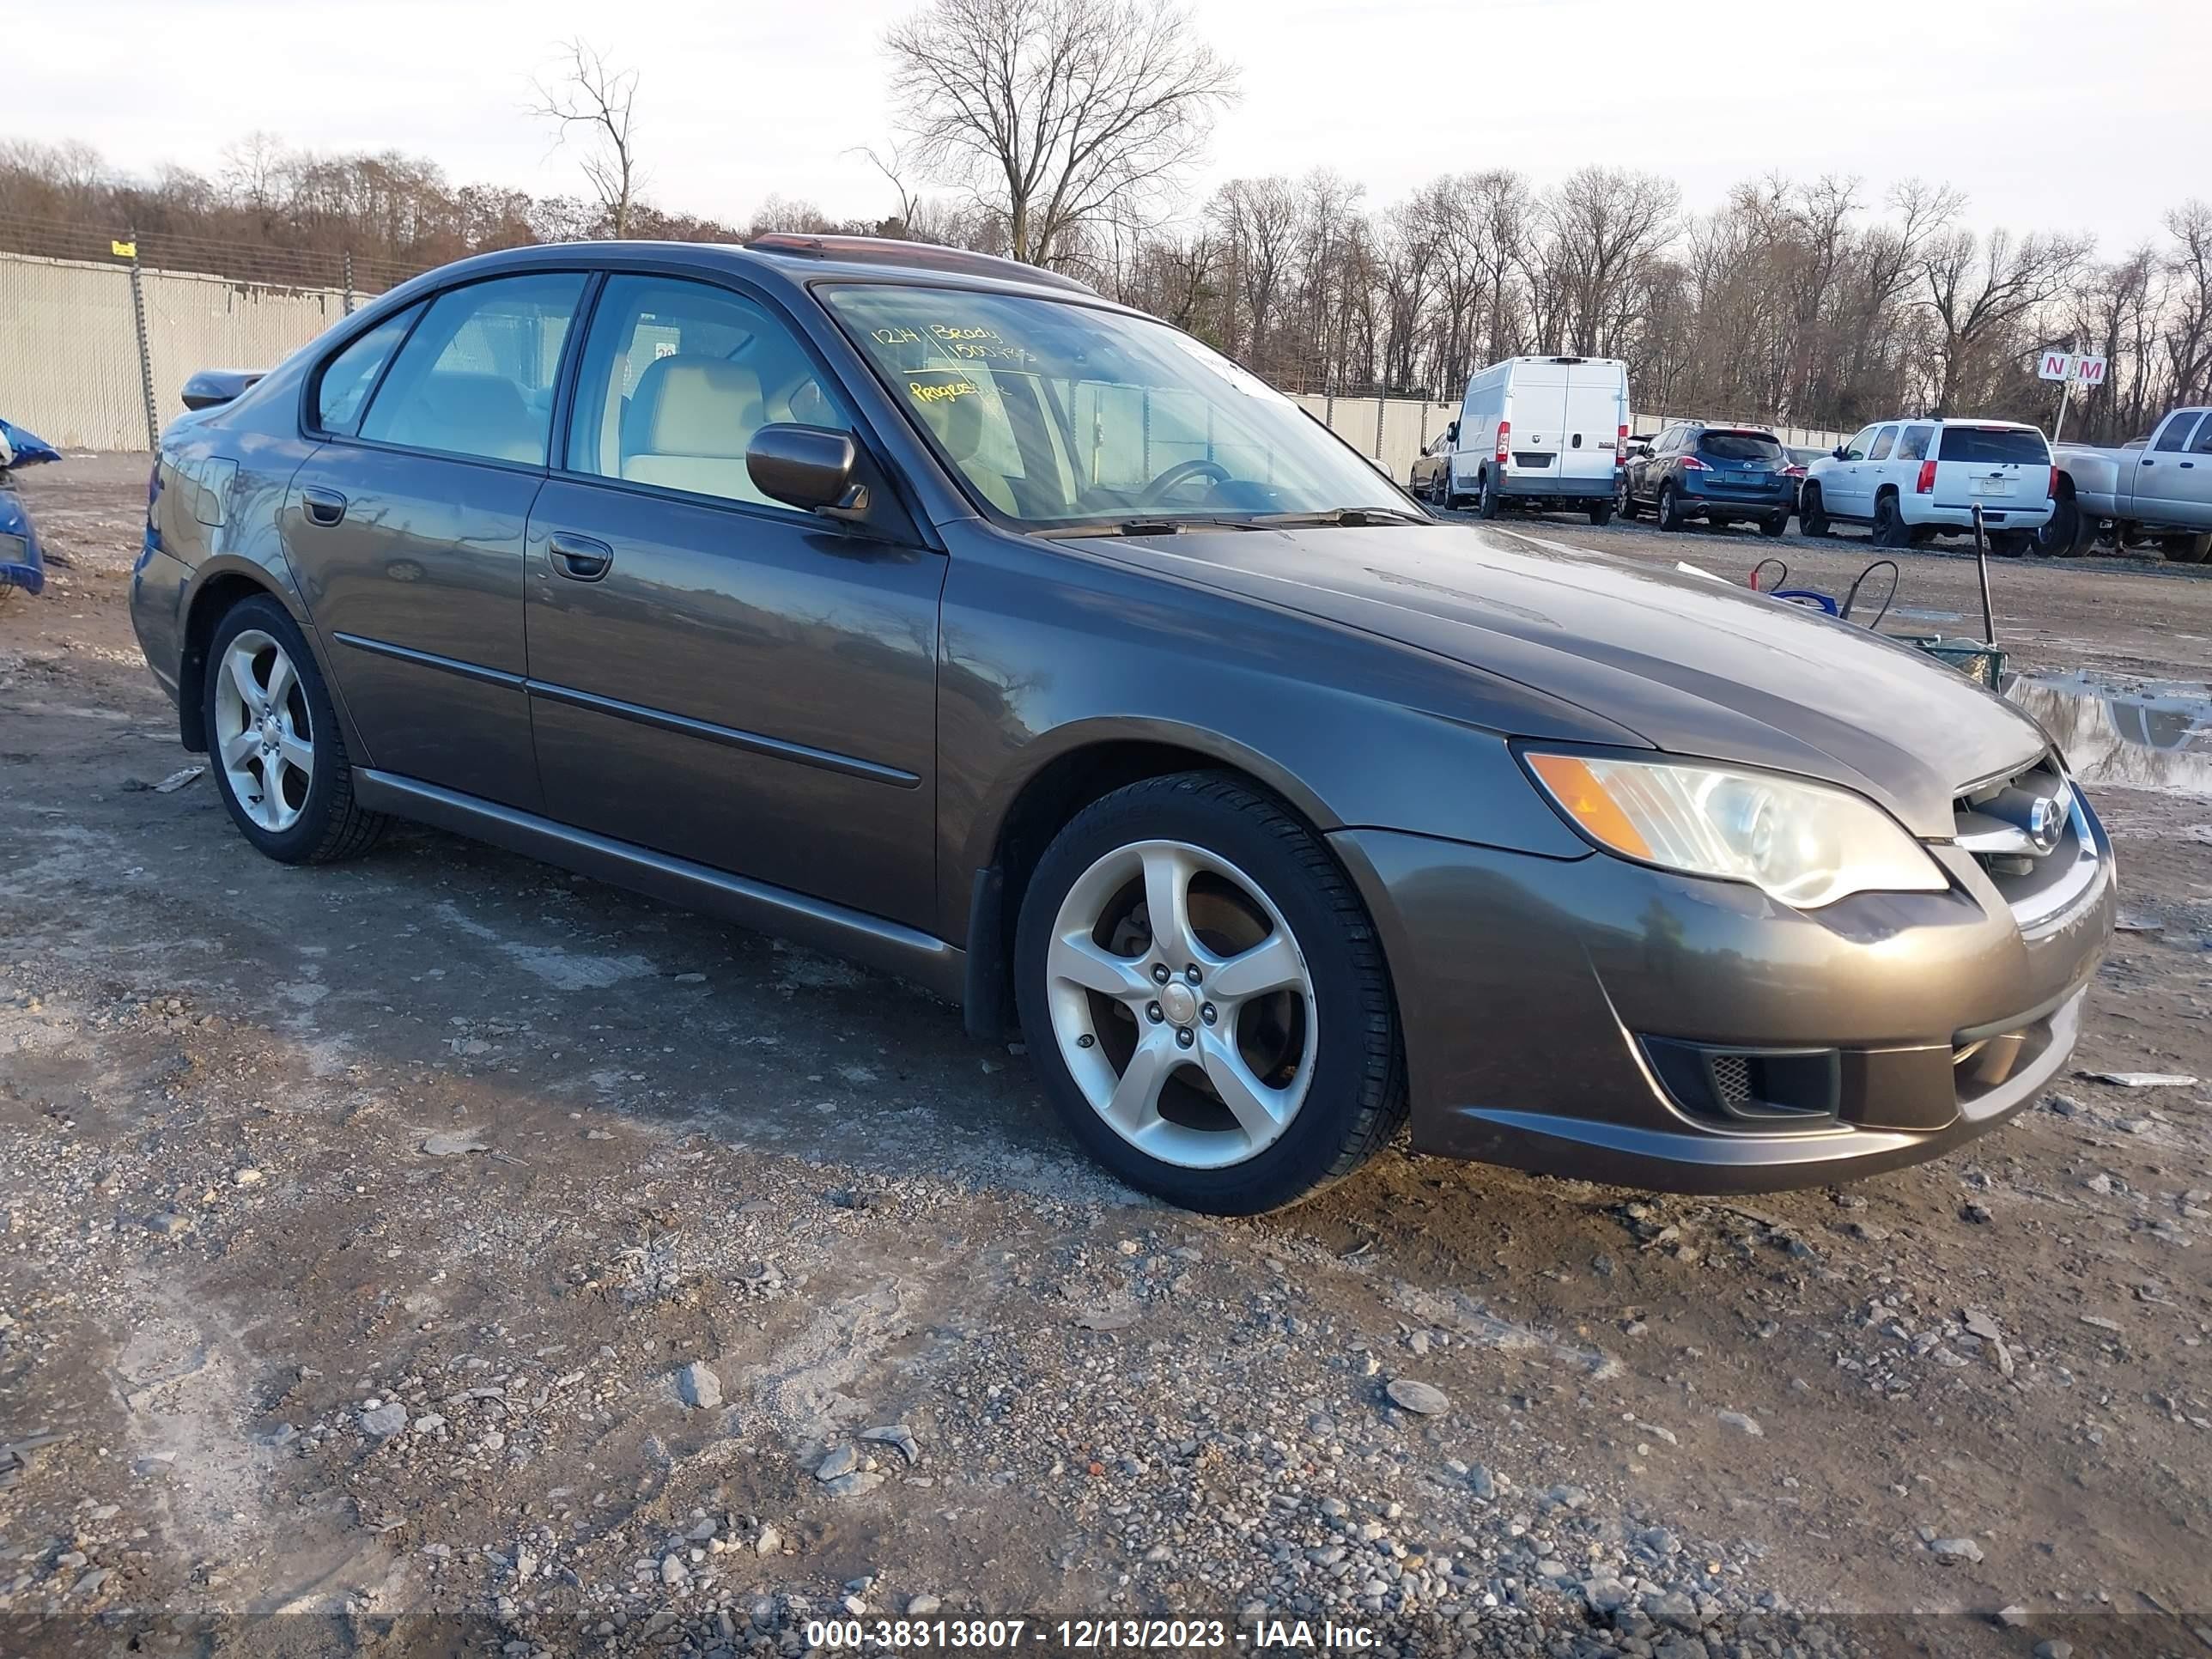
<point x="323" y="507"/>
<point x="580" y="559"/>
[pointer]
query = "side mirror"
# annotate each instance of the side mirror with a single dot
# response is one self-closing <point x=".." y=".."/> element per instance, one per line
<point x="807" y="466"/>
<point x="1452" y="432"/>
<point x="1841" y="451"/>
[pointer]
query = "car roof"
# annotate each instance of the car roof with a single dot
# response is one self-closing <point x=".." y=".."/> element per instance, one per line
<point x="787" y="262"/>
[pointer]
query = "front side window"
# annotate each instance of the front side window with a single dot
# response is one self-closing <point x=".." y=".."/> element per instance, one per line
<point x="476" y="376"/>
<point x="1881" y="444"/>
<point x="677" y="376"/>
<point x="1857" y="448"/>
<point x="347" y="378"/>
<point x="1058" y="413"/>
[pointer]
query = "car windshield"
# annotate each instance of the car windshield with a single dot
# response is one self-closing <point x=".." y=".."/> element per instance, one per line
<point x="1741" y="445"/>
<point x="1060" y="415"/>
<point x="1996" y="444"/>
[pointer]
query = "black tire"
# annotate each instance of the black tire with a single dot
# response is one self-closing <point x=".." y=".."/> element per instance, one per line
<point x="2010" y="544"/>
<point x="1811" y="516"/>
<point x="2069" y="532"/>
<point x="1773" y="528"/>
<point x="1357" y="1097"/>
<point x="1670" y="509"/>
<point x="1889" y="529"/>
<point x="2185" y="549"/>
<point x="331" y="825"/>
<point x="1487" y="504"/>
<point x="1623" y="500"/>
<point x="1601" y="514"/>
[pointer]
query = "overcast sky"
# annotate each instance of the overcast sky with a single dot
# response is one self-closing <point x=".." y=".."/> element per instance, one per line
<point x="2062" y="114"/>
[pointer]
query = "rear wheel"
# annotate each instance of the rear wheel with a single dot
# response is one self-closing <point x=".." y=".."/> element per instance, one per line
<point x="1486" y="503"/>
<point x="1889" y="521"/>
<point x="2069" y="532"/>
<point x="2186" y="550"/>
<point x="1812" y="517"/>
<point x="1206" y="998"/>
<point x="1775" y="525"/>
<point x="1670" y="508"/>
<point x="279" y="762"/>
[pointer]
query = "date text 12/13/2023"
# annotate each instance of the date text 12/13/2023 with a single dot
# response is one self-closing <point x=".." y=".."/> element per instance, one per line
<point x="1048" y="1637"/>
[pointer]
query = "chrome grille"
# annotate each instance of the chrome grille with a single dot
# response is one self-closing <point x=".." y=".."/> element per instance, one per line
<point x="2029" y="834"/>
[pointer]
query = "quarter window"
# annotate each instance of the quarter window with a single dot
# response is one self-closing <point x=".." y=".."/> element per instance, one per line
<point x="347" y="378"/>
<point x="677" y="377"/>
<point x="1881" y="445"/>
<point x="477" y="377"/>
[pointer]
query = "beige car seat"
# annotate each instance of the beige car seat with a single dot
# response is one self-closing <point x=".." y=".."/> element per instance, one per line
<point x="690" y="422"/>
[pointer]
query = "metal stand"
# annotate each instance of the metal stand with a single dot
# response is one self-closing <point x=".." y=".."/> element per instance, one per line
<point x="1982" y="565"/>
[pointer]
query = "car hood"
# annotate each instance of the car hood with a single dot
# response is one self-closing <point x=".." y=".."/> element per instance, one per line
<point x="1692" y="665"/>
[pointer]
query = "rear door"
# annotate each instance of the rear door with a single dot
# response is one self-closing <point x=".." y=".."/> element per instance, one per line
<point x="1596" y="407"/>
<point x="405" y="529"/>
<point x="2003" y="469"/>
<point x="2161" y="485"/>
<point x="1536" y="405"/>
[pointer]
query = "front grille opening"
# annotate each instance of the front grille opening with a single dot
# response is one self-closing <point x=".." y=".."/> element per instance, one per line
<point x="1749" y="1088"/>
<point x="1991" y="825"/>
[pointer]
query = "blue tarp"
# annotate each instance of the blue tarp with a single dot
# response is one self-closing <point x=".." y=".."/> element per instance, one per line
<point x="20" y="564"/>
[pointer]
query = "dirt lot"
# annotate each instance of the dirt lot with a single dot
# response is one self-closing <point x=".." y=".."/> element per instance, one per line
<point x="361" y="1224"/>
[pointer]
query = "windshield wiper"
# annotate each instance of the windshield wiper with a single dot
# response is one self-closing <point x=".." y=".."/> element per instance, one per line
<point x="1355" y="516"/>
<point x="1142" y="523"/>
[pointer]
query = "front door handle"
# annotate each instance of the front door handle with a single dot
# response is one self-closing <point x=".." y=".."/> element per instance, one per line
<point x="580" y="559"/>
<point x="323" y="507"/>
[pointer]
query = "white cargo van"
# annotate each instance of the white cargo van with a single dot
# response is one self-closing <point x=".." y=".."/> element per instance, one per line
<point x="1546" y="432"/>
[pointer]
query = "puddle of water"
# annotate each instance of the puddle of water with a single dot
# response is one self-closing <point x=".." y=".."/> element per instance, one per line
<point x="2153" y="735"/>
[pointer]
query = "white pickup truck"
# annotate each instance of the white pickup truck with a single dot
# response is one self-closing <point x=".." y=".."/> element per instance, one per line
<point x="2157" y="489"/>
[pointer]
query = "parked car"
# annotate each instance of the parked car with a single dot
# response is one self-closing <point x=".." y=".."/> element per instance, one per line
<point x="1431" y="477"/>
<point x="21" y="564"/>
<point x="1721" y="474"/>
<point x="2159" y="490"/>
<point x="1912" y="480"/>
<point x="1800" y="463"/>
<point x="1541" y="432"/>
<point x="842" y="589"/>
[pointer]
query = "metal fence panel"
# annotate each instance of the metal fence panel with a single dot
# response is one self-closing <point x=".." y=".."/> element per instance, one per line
<point x="69" y="353"/>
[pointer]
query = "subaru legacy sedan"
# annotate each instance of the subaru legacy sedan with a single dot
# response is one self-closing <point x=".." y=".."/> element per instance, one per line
<point x="930" y="609"/>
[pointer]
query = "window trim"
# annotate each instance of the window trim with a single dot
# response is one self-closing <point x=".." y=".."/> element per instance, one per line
<point x="2184" y="424"/>
<point x="910" y="528"/>
<point x="312" y="399"/>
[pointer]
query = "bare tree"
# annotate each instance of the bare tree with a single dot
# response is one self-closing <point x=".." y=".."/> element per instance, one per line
<point x="1980" y="288"/>
<point x="1607" y="225"/>
<point x="591" y="96"/>
<point x="2189" y="336"/>
<point x="1057" y="114"/>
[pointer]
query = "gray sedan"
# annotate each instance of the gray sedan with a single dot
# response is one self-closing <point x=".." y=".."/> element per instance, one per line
<point x="932" y="610"/>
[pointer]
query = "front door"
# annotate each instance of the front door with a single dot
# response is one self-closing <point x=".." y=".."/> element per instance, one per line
<point x="713" y="675"/>
<point x="2161" y="482"/>
<point x="405" y="529"/>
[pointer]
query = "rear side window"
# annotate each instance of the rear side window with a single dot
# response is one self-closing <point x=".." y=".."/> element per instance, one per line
<point x="1913" y="446"/>
<point x="349" y="377"/>
<point x="476" y="378"/>
<point x="1741" y="445"/>
<point x="2174" y="436"/>
<point x="1881" y="445"/>
<point x="1995" y="446"/>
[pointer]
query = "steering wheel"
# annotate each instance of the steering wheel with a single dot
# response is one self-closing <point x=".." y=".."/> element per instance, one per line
<point x="1155" y="493"/>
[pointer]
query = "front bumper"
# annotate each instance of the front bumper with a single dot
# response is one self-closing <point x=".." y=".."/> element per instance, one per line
<point x="1530" y="992"/>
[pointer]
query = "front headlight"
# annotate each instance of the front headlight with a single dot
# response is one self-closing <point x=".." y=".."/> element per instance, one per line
<point x="1805" y="844"/>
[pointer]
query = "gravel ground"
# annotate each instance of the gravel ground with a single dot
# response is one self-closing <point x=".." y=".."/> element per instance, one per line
<point x="438" y="1253"/>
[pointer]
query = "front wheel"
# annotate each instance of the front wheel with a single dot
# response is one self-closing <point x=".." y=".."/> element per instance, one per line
<point x="273" y="739"/>
<point x="1206" y="997"/>
<point x="1812" y="517"/>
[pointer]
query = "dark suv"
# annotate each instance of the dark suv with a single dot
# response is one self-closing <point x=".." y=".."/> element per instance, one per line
<point x="932" y="610"/>
<point x="1721" y="474"/>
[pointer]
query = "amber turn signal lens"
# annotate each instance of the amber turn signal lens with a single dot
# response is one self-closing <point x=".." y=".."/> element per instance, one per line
<point x="1575" y="787"/>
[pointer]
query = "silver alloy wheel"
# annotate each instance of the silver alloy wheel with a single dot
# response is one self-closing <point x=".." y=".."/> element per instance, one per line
<point x="263" y="738"/>
<point x="1184" y="1013"/>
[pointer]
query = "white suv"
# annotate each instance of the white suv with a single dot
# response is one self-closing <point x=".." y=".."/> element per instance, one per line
<point x="1914" y="479"/>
